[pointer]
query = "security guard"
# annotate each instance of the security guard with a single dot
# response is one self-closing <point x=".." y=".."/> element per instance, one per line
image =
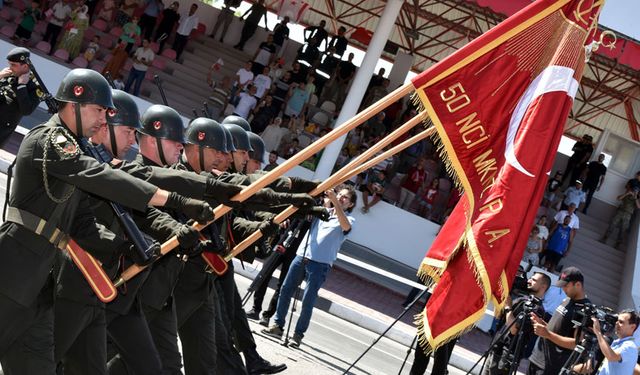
<point x="48" y="205"/>
<point x="80" y="320"/>
<point x="18" y="92"/>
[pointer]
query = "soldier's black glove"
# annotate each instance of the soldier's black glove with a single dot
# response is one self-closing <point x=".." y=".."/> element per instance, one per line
<point x="215" y="246"/>
<point x="316" y="211"/>
<point x="199" y="211"/>
<point x="300" y="200"/>
<point x="222" y="191"/>
<point x="142" y="257"/>
<point x="268" y="228"/>
<point x="300" y="185"/>
<point x="189" y="240"/>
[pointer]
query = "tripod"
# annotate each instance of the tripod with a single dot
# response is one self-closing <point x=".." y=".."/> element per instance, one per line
<point x="584" y="352"/>
<point x="403" y="313"/>
<point x="513" y="354"/>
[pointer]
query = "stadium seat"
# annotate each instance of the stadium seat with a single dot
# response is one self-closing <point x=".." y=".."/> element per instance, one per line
<point x="159" y="64"/>
<point x="8" y="30"/>
<point x="320" y="118"/>
<point x="5" y="14"/>
<point x="116" y="31"/>
<point x="61" y="54"/>
<point x="43" y="46"/>
<point x="80" y="62"/>
<point x="100" y="25"/>
<point x="328" y="106"/>
<point x="169" y="53"/>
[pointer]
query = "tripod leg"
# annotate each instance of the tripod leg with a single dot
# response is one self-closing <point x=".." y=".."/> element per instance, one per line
<point x="415" y="338"/>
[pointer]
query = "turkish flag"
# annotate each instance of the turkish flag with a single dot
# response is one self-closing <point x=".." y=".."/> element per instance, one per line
<point x="295" y="9"/>
<point x="500" y="105"/>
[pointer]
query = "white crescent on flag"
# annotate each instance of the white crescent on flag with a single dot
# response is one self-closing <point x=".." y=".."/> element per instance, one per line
<point x="295" y="9"/>
<point x="552" y="78"/>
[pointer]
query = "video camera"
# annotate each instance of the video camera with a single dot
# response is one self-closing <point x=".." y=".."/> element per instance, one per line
<point x="520" y="282"/>
<point x="605" y="316"/>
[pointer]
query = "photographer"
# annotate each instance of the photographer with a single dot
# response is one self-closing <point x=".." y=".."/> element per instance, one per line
<point x="622" y="354"/>
<point x="558" y="337"/>
<point x="499" y="360"/>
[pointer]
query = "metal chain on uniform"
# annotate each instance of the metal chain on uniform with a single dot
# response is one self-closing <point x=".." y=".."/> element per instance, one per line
<point x="51" y="140"/>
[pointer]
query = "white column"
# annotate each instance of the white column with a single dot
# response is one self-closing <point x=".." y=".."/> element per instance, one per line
<point x="401" y="66"/>
<point x="359" y="84"/>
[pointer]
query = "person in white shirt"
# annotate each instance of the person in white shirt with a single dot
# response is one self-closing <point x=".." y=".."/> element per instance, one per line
<point x="247" y="103"/>
<point x="187" y="24"/>
<point x="142" y="59"/>
<point x="59" y="14"/>
<point x="262" y="82"/>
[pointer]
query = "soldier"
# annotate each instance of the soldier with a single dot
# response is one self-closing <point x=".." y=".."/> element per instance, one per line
<point x="48" y="205"/>
<point x="18" y="92"/>
<point x="256" y="156"/>
<point x="80" y="320"/>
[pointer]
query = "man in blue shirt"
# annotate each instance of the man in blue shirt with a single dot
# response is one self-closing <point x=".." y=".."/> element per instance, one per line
<point x="622" y="354"/>
<point x="574" y="194"/>
<point x="314" y="258"/>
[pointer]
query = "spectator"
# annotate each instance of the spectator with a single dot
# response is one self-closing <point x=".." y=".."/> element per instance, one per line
<point x="125" y="12"/>
<point x="339" y="42"/>
<point x="594" y="180"/>
<point x="310" y="86"/>
<point x="622" y="354"/>
<point x="376" y="93"/>
<point x="92" y="48"/>
<point x="375" y="126"/>
<point x="263" y="114"/>
<point x="314" y="259"/>
<point x="170" y="18"/>
<point x="255" y="13"/>
<point x="246" y="103"/>
<point x="130" y="33"/>
<point x="118" y="82"/>
<point x="558" y="337"/>
<point x="622" y="218"/>
<point x="225" y="17"/>
<point x="635" y="182"/>
<point x="243" y="77"/>
<point x="272" y="135"/>
<point x="326" y="68"/>
<point x="543" y="231"/>
<point x="118" y="58"/>
<point x="534" y="247"/>
<point x="308" y="55"/>
<point x="280" y="34"/>
<point x="344" y="73"/>
<point x="374" y="189"/>
<point x="187" y="24"/>
<point x="262" y="82"/>
<point x="142" y="59"/>
<point x="551" y="194"/>
<point x="107" y="11"/>
<point x="298" y="100"/>
<point x="74" y="32"/>
<point x="273" y="161"/>
<point x="60" y="11"/>
<point x="412" y="182"/>
<point x="152" y="10"/>
<point x="30" y="17"/>
<point x="376" y="80"/>
<point x="582" y="150"/>
<point x="574" y="194"/>
<point x="290" y="148"/>
<point x="264" y="55"/>
<point x="315" y="35"/>
<point x="276" y="70"/>
<point x="427" y="199"/>
<point x="297" y="73"/>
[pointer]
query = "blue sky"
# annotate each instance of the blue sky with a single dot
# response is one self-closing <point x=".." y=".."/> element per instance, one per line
<point x="622" y="16"/>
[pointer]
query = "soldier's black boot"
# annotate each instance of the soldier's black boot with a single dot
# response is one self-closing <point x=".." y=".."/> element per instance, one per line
<point x="257" y="365"/>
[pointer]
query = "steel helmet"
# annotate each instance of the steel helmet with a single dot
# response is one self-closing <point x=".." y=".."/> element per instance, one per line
<point x="162" y="122"/>
<point x="206" y="132"/>
<point x="85" y="86"/>
<point x="257" y="144"/>
<point x="241" y="122"/>
<point x="126" y="111"/>
<point x="240" y="137"/>
<point x="229" y="139"/>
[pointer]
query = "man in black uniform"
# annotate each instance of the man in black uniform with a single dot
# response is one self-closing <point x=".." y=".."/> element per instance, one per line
<point x="51" y="178"/>
<point x="18" y="92"/>
<point x="558" y="337"/>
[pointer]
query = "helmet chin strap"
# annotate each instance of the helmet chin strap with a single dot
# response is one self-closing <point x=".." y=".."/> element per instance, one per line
<point x="201" y="157"/>
<point x="76" y="107"/>
<point x="112" y="139"/>
<point x="163" y="160"/>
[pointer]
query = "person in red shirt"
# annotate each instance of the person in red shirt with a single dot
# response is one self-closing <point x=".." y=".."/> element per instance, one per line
<point x="412" y="182"/>
<point x="425" y="205"/>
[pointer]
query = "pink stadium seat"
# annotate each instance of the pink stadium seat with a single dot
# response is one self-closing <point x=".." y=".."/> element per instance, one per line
<point x="43" y="46"/>
<point x="169" y="53"/>
<point x="89" y="34"/>
<point x="61" y="54"/>
<point x="97" y="65"/>
<point x="8" y="30"/>
<point x="149" y="75"/>
<point x="41" y="27"/>
<point x="159" y="64"/>
<point x="5" y="14"/>
<point x="155" y="47"/>
<point x="116" y="31"/>
<point x="100" y="25"/>
<point x="80" y="62"/>
<point x="107" y="41"/>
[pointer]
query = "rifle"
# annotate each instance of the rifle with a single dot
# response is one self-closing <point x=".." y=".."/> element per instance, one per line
<point x="158" y="83"/>
<point x="107" y="75"/>
<point x="143" y="248"/>
<point x="48" y="99"/>
<point x="205" y="109"/>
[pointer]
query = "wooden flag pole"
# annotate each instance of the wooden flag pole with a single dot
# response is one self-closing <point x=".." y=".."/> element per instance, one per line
<point x="339" y="177"/>
<point x="296" y="159"/>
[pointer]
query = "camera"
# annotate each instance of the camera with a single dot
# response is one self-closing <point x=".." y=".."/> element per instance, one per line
<point x="605" y="316"/>
<point x="520" y="282"/>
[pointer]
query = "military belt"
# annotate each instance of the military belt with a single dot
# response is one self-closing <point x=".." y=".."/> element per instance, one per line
<point x="39" y="226"/>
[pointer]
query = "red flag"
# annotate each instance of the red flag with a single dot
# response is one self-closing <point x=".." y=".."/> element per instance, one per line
<point x="500" y="104"/>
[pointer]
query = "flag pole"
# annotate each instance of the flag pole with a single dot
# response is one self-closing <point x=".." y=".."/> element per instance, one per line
<point x="270" y="177"/>
<point x="339" y="177"/>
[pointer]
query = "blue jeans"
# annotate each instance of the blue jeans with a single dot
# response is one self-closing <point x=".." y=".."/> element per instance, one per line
<point x="136" y="76"/>
<point x="316" y="274"/>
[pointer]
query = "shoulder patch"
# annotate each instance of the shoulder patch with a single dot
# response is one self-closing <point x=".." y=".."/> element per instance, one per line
<point x="63" y="143"/>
